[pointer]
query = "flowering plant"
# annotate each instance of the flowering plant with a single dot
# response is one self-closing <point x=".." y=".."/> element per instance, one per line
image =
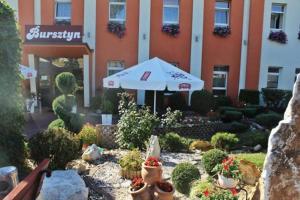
<point x="171" y="29"/>
<point x="219" y="194"/>
<point x="152" y="161"/>
<point x="222" y="31"/>
<point x="229" y="168"/>
<point x="116" y="28"/>
<point x="137" y="184"/>
<point x="278" y="36"/>
<point x="165" y="186"/>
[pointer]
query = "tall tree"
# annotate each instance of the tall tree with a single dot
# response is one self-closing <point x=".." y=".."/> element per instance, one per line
<point x="11" y="102"/>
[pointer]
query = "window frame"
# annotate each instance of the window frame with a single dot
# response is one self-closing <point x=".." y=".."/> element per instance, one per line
<point x="219" y="72"/>
<point x="121" y="68"/>
<point x="114" y="19"/>
<point x="273" y="74"/>
<point x="171" y="6"/>
<point x="222" y="9"/>
<point x="59" y="19"/>
<point x="281" y="13"/>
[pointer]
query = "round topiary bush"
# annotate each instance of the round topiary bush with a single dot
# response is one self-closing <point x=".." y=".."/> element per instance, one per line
<point x="57" y="144"/>
<point x="224" y="141"/>
<point x="238" y="127"/>
<point x="183" y="175"/>
<point x="58" y="123"/>
<point x="173" y="142"/>
<point x="268" y="120"/>
<point x="66" y="82"/>
<point x="211" y="158"/>
<point x="202" y="101"/>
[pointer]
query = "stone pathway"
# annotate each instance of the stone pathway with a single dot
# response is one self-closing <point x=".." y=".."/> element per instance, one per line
<point x="104" y="173"/>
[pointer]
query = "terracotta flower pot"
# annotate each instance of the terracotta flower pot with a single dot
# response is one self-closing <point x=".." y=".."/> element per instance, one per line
<point x="130" y="174"/>
<point x="141" y="194"/>
<point x="151" y="175"/>
<point x="226" y="183"/>
<point x="162" y="195"/>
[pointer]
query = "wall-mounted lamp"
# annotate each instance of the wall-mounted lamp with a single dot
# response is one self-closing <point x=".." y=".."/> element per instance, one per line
<point x="144" y="36"/>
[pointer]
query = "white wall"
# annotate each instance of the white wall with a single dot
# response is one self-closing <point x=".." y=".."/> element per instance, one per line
<point x="287" y="55"/>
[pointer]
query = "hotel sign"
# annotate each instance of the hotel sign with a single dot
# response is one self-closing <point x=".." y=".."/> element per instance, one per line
<point x="53" y="33"/>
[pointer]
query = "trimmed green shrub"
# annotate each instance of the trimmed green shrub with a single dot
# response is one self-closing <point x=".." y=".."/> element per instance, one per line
<point x="66" y="83"/>
<point x="202" y="101"/>
<point x="223" y="109"/>
<point x="173" y="142"/>
<point x="253" y="138"/>
<point x="249" y="112"/>
<point x="107" y="107"/>
<point x="11" y="101"/>
<point x="88" y="134"/>
<point x="132" y="161"/>
<point x="58" y="123"/>
<point x="276" y="99"/>
<point x="177" y="101"/>
<point x="268" y="120"/>
<point x="238" y="127"/>
<point x="96" y="102"/>
<point x="183" y="175"/>
<point x="224" y="141"/>
<point x="249" y="96"/>
<point x="211" y="158"/>
<point x="111" y="95"/>
<point x="220" y="101"/>
<point x="57" y="144"/>
<point x="230" y="116"/>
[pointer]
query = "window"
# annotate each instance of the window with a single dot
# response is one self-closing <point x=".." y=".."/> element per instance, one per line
<point x="117" y="10"/>
<point x="273" y="77"/>
<point x="297" y="71"/>
<point x="171" y="12"/>
<point x="222" y="13"/>
<point x="114" y="67"/>
<point x="63" y="11"/>
<point x="277" y="16"/>
<point x="220" y="80"/>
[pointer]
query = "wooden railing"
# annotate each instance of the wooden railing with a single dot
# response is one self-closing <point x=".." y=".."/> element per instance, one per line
<point x="30" y="186"/>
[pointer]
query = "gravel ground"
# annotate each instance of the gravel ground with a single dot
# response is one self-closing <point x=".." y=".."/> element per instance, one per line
<point x="104" y="175"/>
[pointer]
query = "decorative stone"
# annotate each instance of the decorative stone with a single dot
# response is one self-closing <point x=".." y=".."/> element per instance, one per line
<point x="281" y="174"/>
<point x="153" y="148"/>
<point x="257" y="147"/>
<point x="63" y="185"/>
<point x="78" y="165"/>
<point x="91" y="153"/>
<point x="250" y="173"/>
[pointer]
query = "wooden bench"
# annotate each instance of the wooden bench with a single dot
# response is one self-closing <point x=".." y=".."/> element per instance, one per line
<point x="30" y="186"/>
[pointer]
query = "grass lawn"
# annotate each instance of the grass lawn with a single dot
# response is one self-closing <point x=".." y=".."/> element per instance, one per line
<point x="257" y="158"/>
<point x="3" y="158"/>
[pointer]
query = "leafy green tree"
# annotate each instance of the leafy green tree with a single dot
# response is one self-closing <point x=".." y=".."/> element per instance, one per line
<point x="11" y="102"/>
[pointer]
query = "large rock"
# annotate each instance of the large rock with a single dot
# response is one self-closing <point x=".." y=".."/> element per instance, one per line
<point x="153" y="149"/>
<point x="91" y="153"/>
<point x="63" y="185"/>
<point x="281" y="174"/>
<point x="250" y="173"/>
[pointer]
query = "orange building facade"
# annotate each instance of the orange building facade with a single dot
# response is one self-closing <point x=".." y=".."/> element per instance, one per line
<point x="218" y="41"/>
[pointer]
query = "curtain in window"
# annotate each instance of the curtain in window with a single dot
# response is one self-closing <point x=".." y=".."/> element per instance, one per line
<point x="63" y="9"/>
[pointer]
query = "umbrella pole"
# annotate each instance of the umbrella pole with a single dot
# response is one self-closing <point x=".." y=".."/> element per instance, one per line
<point x="154" y="103"/>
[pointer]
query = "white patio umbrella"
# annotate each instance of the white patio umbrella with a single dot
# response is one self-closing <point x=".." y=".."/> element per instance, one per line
<point x="156" y="75"/>
<point x="27" y="72"/>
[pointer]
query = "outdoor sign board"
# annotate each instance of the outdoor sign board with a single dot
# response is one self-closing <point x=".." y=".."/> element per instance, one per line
<point x="53" y="33"/>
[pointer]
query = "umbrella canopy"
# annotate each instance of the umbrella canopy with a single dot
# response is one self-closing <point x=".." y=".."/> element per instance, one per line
<point x="154" y="74"/>
<point x="27" y="72"/>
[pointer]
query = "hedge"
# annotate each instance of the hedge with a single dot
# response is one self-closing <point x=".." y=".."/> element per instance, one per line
<point x="249" y="96"/>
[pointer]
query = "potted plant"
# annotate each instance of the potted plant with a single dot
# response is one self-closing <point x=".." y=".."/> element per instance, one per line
<point x="131" y="164"/>
<point x="228" y="173"/>
<point x="139" y="190"/>
<point x="151" y="170"/>
<point x="107" y="109"/>
<point x="217" y="194"/>
<point x="164" y="190"/>
<point x="88" y="135"/>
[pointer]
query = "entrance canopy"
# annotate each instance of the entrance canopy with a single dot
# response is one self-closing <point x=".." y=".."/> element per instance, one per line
<point x="154" y="74"/>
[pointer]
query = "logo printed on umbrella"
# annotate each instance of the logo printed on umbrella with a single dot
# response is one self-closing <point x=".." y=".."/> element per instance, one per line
<point x="145" y="76"/>
<point x="111" y="83"/>
<point x="29" y="74"/>
<point x="184" y="86"/>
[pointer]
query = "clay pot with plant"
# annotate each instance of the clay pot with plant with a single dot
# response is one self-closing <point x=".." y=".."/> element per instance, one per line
<point x="88" y="135"/>
<point x="228" y="173"/>
<point x="151" y="171"/>
<point x="131" y="164"/>
<point x="164" y="190"/>
<point x="139" y="190"/>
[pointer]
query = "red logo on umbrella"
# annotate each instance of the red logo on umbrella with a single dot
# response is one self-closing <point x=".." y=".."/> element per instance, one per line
<point x="111" y="83"/>
<point x="183" y="86"/>
<point x="29" y="74"/>
<point x="145" y="76"/>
